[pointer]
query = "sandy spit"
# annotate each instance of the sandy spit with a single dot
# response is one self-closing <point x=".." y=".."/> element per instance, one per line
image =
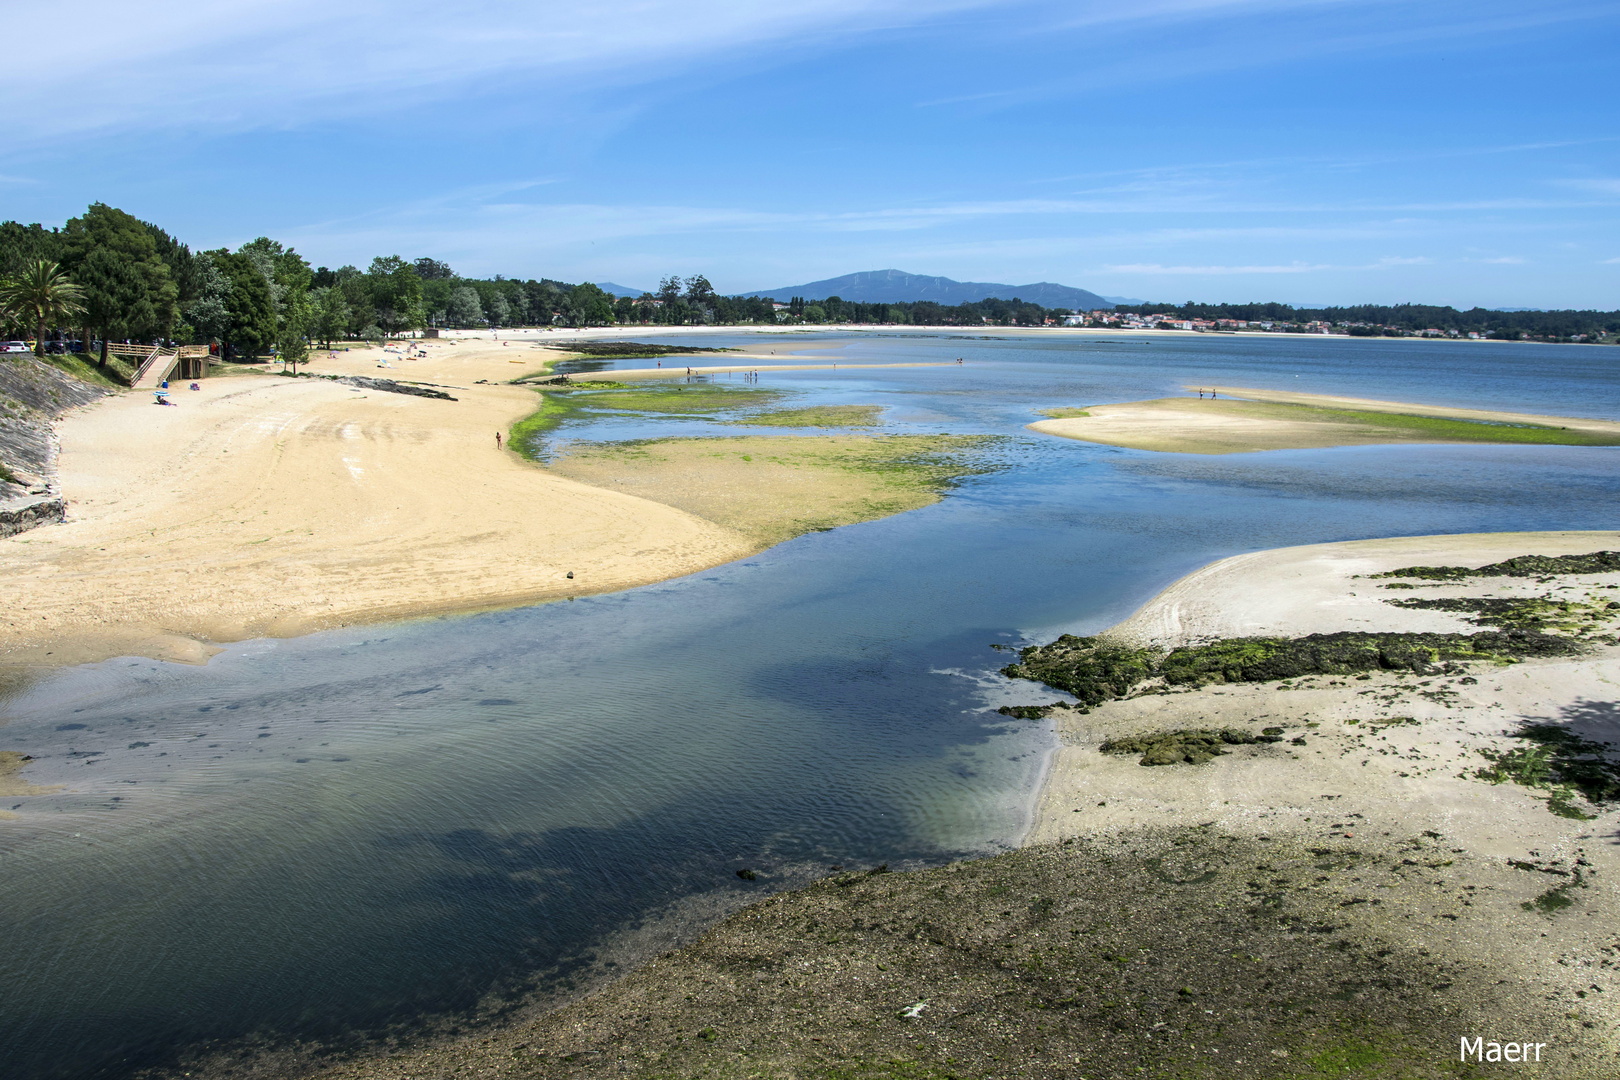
<point x="1230" y="425"/>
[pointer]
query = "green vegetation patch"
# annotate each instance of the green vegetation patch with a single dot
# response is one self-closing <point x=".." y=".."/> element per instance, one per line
<point x="1518" y="613"/>
<point x="1098" y="669"/>
<point x="570" y="402"/>
<point x="679" y="400"/>
<point x="1435" y="428"/>
<point x="114" y="376"/>
<point x="816" y="416"/>
<point x="1560" y="762"/>
<point x="524" y="436"/>
<point x="1063" y="414"/>
<point x="630" y="350"/>
<point x="1191" y="745"/>
<point x="1596" y="562"/>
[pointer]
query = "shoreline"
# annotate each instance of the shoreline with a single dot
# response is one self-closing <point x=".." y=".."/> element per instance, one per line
<point x="1370" y="929"/>
<point x="265" y="506"/>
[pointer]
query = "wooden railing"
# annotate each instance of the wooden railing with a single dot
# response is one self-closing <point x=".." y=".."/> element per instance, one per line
<point x="155" y="355"/>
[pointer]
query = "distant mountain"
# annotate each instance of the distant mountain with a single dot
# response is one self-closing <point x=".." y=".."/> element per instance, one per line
<point x="891" y="286"/>
<point x="619" y="290"/>
<point x="1123" y="300"/>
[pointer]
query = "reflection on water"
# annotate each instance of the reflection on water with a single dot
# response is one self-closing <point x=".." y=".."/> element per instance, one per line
<point x="331" y="835"/>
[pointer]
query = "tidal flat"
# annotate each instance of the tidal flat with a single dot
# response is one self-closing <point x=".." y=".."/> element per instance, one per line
<point x="1166" y="952"/>
<point x="770" y="488"/>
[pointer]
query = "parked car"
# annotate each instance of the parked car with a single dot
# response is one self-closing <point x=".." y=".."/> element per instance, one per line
<point x="15" y="346"/>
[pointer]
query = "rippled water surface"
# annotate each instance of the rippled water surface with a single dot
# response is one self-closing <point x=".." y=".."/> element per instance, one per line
<point x="324" y="837"/>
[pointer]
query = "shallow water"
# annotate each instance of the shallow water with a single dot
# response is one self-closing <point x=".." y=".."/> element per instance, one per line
<point x="322" y="837"/>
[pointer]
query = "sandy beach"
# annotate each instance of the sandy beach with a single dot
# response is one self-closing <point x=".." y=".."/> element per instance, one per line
<point x="262" y="505"/>
<point x="1240" y="421"/>
<point x="1368" y="758"/>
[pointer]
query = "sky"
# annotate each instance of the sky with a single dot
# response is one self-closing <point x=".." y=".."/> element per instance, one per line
<point x="1310" y="151"/>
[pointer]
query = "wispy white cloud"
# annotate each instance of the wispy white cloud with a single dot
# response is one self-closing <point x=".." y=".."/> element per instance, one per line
<point x="1226" y="42"/>
<point x="239" y="64"/>
<point x="1602" y="185"/>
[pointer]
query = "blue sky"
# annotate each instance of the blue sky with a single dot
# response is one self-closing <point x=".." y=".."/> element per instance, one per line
<point x="1316" y="152"/>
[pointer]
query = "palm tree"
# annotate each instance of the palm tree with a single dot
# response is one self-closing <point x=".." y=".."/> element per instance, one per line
<point x="41" y="294"/>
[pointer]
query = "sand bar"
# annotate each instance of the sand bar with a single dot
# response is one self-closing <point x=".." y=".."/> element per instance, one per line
<point x="1243" y="420"/>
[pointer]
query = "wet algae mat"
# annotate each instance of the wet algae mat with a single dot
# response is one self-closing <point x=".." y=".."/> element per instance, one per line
<point x="1174" y="953"/>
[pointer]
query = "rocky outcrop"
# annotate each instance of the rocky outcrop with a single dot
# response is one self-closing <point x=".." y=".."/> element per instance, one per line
<point x="391" y="387"/>
<point x="43" y="511"/>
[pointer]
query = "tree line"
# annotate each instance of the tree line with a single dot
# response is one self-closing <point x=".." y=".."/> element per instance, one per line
<point x="1368" y="318"/>
<point x="109" y="276"/>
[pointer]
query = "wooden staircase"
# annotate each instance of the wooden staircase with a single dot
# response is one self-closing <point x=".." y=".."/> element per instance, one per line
<point x="153" y="363"/>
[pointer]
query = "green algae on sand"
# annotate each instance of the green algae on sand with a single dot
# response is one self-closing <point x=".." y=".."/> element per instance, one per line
<point x="815" y="416"/>
<point x="1098" y="669"/>
<point x="1191" y="745"/>
<point x="1596" y="562"/>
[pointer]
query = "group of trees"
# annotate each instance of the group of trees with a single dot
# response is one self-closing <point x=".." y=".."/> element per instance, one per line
<point x="1369" y="318"/>
<point x="110" y="276"/>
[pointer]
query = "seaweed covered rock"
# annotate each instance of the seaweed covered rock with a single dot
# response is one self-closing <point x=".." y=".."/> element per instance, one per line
<point x="1191" y="745"/>
<point x="1596" y="562"/>
<point x="1348" y="653"/>
<point x="1093" y="669"/>
<point x="1098" y="669"/>
<point x="1028" y="712"/>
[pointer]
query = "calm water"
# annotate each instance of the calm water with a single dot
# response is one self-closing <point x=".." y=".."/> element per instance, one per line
<point x="327" y="837"/>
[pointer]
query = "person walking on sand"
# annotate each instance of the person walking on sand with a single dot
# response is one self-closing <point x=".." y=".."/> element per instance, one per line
<point x="497" y="440"/>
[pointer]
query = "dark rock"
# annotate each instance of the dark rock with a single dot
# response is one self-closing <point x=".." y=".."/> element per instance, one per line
<point x="389" y="386"/>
